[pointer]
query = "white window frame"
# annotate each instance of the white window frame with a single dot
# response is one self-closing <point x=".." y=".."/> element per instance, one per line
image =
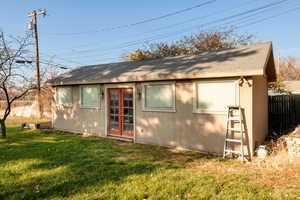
<point x="210" y="111"/>
<point x="99" y="97"/>
<point x="171" y="109"/>
<point x="56" y="96"/>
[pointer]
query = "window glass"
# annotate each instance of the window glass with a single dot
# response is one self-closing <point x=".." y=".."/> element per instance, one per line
<point x="159" y="96"/>
<point x="89" y="96"/>
<point x="64" y="95"/>
<point x="215" y="96"/>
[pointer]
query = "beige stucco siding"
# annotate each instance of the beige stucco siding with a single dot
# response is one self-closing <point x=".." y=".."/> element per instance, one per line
<point x="260" y="109"/>
<point x="246" y="96"/>
<point x="73" y="118"/>
<point x="183" y="128"/>
<point x="186" y="129"/>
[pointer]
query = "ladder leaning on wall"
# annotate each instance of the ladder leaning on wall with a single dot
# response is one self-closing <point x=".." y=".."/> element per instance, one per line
<point x="235" y="133"/>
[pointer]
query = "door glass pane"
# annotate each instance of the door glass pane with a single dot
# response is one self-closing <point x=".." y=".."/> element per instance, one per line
<point x="126" y="103"/>
<point x="130" y="111"/>
<point x="126" y="119"/>
<point x="114" y="110"/>
<point x="131" y="119"/>
<point x="114" y="126"/>
<point x="116" y="118"/>
<point x="128" y="127"/>
<point x="114" y="95"/>
<point x="130" y="104"/>
<point x="114" y="102"/>
<point x="128" y="95"/>
<point x="125" y="111"/>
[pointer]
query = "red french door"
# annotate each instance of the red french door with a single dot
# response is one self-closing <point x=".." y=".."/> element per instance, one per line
<point x="120" y="111"/>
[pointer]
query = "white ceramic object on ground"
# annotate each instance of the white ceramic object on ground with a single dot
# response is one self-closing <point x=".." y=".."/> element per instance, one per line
<point x="261" y="151"/>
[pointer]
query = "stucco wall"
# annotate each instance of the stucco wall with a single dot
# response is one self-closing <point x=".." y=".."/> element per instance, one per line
<point x="183" y="128"/>
<point x="246" y="97"/>
<point x="73" y="118"/>
<point x="260" y="109"/>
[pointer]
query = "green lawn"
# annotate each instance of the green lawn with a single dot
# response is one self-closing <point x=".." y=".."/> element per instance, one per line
<point x="41" y="165"/>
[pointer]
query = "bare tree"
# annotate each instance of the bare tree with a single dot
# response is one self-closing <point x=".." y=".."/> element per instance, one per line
<point x="15" y="79"/>
<point x="288" y="68"/>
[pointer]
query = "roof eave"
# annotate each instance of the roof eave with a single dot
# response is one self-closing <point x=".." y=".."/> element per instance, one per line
<point x="269" y="66"/>
<point x="158" y="78"/>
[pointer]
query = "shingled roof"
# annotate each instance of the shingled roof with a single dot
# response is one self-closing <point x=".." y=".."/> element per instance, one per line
<point x="251" y="60"/>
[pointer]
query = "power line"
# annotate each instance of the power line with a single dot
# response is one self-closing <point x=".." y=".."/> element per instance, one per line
<point x="55" y="64"/>
<point x="140" y="22"/>
<point x="176" y="24"/>
<point x="60" y="58"/>
<point x="261" y="9"/>
<point x="243" y="25"/>
<point x="273" y="16"/>
<point x="149" y="39"/>
<point x="63" y="59"/>
<point x="30" y="60"/>
<point x="232" y="21"/>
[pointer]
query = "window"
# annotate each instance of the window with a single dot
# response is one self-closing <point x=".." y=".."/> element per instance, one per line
<point x="214" y="96"/>
<point x="159" y="97"/>
<point x="64" y="95"/>
<point x="90" y="96"/>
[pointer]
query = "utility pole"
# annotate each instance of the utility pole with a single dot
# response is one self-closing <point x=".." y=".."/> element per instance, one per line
<point x="37" y="57"/>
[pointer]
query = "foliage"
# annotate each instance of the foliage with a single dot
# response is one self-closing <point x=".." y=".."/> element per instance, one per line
<point x="194" y="44"/>
<point x="43" y="165"/>
<point x="15" y="80"/>
<point x="278" y="86"/>
<point x="287" y="69"/>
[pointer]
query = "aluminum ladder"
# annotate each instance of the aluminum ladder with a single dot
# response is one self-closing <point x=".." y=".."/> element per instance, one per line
<point x="234" y="118"/>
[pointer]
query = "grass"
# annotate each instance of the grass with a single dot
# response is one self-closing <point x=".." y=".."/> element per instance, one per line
<point x="36" y="164"/>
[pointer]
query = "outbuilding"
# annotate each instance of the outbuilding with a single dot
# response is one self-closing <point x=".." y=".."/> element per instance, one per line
<point x="175" y="101"/>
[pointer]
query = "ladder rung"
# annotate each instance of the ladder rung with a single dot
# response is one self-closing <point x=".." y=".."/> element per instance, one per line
<point x="234" y="129"/>
<point x="234" y="118"/>
<point x="233" y="140"/>
<point x="232" y="151"/>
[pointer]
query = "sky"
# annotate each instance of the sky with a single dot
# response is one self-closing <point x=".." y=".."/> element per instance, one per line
<point x="90" y="32"/>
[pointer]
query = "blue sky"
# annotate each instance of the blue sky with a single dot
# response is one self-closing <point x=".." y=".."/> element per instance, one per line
<point x="72" y="34"/>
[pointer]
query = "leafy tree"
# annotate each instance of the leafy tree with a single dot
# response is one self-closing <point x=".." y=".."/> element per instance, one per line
<point x="15" y="79"/>
<point x="194" y="44"/>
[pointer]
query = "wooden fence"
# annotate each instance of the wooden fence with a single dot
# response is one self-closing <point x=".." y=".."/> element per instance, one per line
<point x="284" y="113"/>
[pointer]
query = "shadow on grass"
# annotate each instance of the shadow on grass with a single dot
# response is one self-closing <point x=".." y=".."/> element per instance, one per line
<point x="39" y="165"/>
